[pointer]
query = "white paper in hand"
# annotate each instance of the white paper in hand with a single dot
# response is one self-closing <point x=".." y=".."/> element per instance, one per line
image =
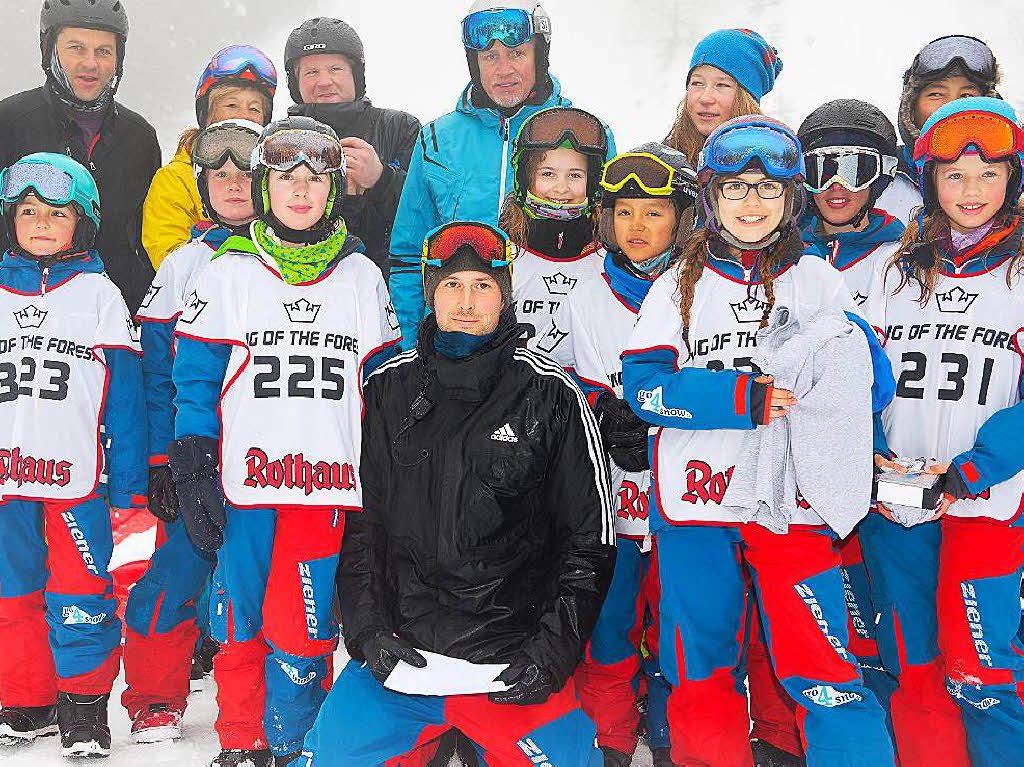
<point x="445" y="676"/>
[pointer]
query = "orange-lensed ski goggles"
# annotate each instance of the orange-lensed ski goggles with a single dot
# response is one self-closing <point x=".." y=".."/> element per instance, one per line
<point x="994" y="136"/>
<point x="490" y="244"/>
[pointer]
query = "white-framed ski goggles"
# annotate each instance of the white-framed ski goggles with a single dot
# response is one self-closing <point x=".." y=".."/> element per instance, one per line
<point x="853" y="167"/>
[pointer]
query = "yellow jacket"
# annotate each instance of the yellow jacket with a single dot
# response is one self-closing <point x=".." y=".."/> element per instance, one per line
<point x="171" y="209"/>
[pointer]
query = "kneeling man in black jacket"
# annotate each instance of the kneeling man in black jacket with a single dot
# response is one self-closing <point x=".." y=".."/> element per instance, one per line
<point x="486" y="535"/>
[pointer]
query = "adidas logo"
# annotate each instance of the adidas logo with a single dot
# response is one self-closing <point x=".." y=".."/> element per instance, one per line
<point x="748" y="310"/>
<point x="30" y="317"/>
<point x="955" y="300"/>
<point x="504" y="434"/>
<point x="302" y="311"/>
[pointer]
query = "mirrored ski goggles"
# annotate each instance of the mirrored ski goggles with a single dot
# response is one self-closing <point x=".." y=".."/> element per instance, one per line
<point x="238" y="61"/>
<point x="287" y="148"/>
<point x="215" y="145"/>
<point x="940" y="53"/>
<point x="994" y="136"/>
<point x="551" y="127"/>
<point x="509" y="26"/>
<point x="49" y="183"/>
<point x="652" y="174"/>
<point x="733" y="149"/>
<point x="853" y="167"/>
<point x="489" y="243"/>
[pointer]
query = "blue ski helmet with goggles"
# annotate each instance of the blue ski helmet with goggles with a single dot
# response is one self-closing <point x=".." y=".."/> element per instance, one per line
<point x="511" y="23"/>
<point x="55" y="179"/>
<point x="752" y="142"/>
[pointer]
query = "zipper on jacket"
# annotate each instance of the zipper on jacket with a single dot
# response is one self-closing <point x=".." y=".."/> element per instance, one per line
<point x="504" y="163"/>
<point x="43" y="279"/>
<point x="835" y="252"/>
<point x="88" y="151"/>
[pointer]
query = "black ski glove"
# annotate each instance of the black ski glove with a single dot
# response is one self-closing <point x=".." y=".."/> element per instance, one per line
<point x="952" y="484"/>
<point x="163" y="501"/>
<point x="528" y="683"/>
<point x="383" y="650"/>
<point x="624" y="434"/>
<point x="193" y="462"/>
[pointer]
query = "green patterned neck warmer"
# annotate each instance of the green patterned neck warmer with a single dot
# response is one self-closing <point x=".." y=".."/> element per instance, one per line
<point x="305" y="263"/>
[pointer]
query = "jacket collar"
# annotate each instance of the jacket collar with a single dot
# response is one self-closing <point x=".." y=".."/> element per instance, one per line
<point x="470" y="379"/>
<point x="998" y="245"/>
<point x="628" y="287"/>
<point x="59" y="271"/>
<point x="844" y="248"/>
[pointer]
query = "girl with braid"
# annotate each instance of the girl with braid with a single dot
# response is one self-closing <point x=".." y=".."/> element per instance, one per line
<point x="687" y="370"/>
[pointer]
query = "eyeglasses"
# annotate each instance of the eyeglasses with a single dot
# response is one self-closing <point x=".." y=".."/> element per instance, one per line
<point x="219" y="142"/>
<point x="736" y="189"/>
<point x="993" y="135"/>
<point x="286" y="149"/>
<point x="650" y="173"/>
<point x="853" y="167"/>
<point x="551" y="127"/>
<point x="490" y="244"/>
<point x="940" y="53"/>
<point x="510" y="26"/>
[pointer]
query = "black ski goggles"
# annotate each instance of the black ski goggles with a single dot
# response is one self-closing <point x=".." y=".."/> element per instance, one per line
<point x="940" y="54"/>
<point x="853" y="167"/>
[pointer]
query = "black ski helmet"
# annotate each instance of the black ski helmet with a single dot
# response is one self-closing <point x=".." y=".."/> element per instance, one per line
<point x="323" y="228"/>
<point x="851" y="122"/>
<point x="324" y="35"/>
<point x="107" y="15"/>
<point x="683" y="196"/>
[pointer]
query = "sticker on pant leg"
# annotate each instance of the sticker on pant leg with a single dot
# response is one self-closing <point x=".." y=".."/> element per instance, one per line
<point x="829" y="697"/>
<point x="972" y="694"/>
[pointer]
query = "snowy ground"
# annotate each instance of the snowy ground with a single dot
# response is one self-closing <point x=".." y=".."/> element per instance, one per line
<point x="196" y="748"/>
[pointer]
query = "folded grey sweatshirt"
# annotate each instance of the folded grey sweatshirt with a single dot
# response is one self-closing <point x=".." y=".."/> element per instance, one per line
<point x="823" y="446"/>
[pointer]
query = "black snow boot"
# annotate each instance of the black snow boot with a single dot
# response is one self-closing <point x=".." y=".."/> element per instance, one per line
<point x="284" y="761"/>
<point x="21" y="724"/>
<point x="82" y="720"/>
<point x="767" y="755"/>
<point x="202" y="660"/>
<point x="662" y="757"/>
<point x="615" y="758"/>
<point x="233" y="757"/>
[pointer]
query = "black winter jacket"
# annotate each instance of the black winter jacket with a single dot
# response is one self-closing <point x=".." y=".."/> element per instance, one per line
<point x="392" y="134"/>
<point x="123" y="160"/>
<point x="487" y="528"/>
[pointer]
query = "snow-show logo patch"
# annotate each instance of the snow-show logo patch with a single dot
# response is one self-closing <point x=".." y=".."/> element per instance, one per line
<point x="30" y="317"/>
<point x="652" y="403"/>
<point x="150" y="295"/>
<point x="748" y="310"/>
<point x="76" y="616"/>
<point x="194" y="306"/>
<point x="552" y="338"/>
<point x="956" y="689"/>
<point x="956" y="300"/>
<point x="293" y="673"/>
<point x="830" y="697"/>
<point x="302" y="311"/>
<point x="559" y="284"/>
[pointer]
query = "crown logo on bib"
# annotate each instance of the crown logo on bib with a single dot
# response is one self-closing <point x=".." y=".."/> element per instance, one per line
<point x="559" y="284"/>
<point x="748" y="310"/>
<point x="302" y="311"/>
<point x="193" y="308"/>
<point x="30" y="317"/>
<point x="955" y="300"/>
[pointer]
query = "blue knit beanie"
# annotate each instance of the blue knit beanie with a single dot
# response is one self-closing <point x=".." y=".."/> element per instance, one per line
<point x="742" y="53"/>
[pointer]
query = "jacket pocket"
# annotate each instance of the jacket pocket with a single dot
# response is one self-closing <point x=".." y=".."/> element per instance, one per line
<point x="445" y="189"/>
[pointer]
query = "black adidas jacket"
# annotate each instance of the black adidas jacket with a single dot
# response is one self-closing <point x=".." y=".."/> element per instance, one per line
<point x="487" y="527"/>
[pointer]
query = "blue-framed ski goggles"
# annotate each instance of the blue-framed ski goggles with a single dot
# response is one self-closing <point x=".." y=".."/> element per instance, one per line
<point x="491" y="244"/>
<point x="50" y="184"/>
<point x="243" y="62"/>
<point x="733" y="149"/>
<point x="510" y="26"/>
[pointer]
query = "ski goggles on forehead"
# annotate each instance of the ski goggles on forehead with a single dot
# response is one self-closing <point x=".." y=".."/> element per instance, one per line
<point x="994" y="136"/>
<point x="853" y="167"/>
<point x="509" y="26"/>
<point x="286" y="149"/>
<point x="490" y="244"/>
<point x="732" y="151"/>
<point x="552" y="127"/>
<point x="652" y="174"/>
<point x="215" y="146"/>
<point x="941" y="53"/>
<point x="238" y="61"/>
<point x="48" y="183"/>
